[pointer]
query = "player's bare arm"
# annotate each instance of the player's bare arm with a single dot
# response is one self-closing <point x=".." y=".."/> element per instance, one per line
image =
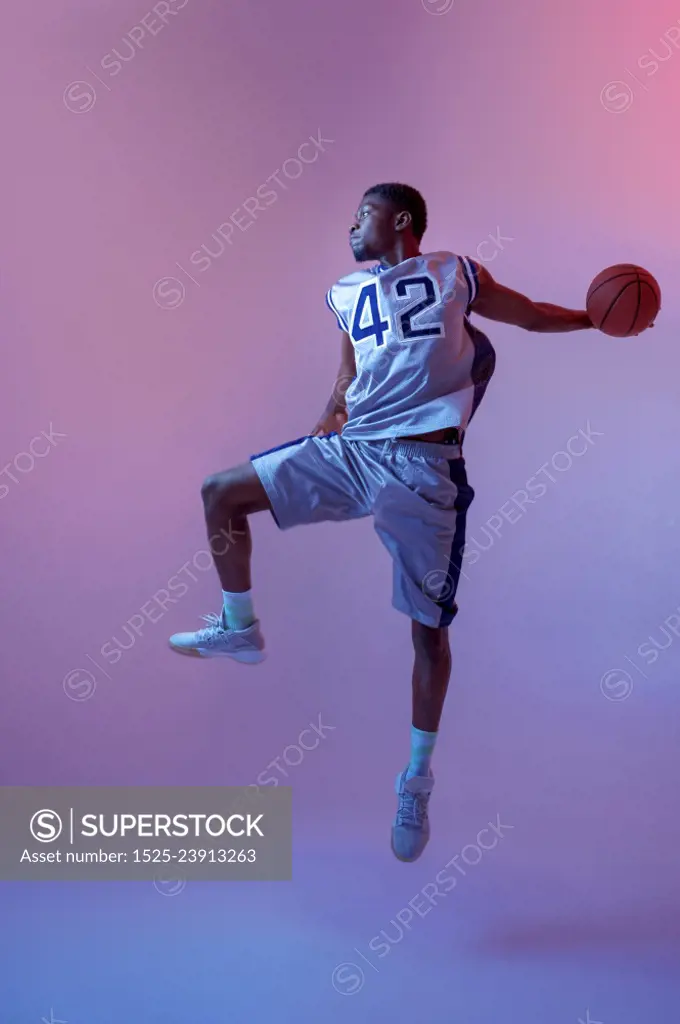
<point x="496" y="302"/>
<point x="334" y="415"/>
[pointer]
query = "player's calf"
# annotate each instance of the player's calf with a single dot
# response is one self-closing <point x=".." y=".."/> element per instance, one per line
<point x="431" y="671"/>
<point x="228" y="498"/>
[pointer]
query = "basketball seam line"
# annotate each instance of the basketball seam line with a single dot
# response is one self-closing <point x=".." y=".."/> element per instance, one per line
<point x="613" y="303"/>
<point x="637" y="308"/>
<point x="614" y="277"/>
<point x="657" y="297"/>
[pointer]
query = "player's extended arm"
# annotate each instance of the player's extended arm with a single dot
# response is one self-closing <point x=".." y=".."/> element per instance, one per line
<point x="334" y="415"/>
<point x="496" y="302"/>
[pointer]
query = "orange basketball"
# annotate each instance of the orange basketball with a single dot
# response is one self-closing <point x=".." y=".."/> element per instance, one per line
<point x="623" y="300"/>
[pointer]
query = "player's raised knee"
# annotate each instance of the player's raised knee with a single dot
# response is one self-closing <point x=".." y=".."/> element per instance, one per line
<point x="219" y="489"/>
<point x="236" y="490"/>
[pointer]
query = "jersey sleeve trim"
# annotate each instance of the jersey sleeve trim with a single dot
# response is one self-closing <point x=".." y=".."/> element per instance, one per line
<point x="338" y="316"/>
<point x="471" y="272"/>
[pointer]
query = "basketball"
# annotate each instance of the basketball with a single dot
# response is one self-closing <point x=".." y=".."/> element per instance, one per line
<point x="623" y="300"/>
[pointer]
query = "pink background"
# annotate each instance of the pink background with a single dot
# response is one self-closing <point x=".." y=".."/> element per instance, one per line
<point x="505" y="118"/>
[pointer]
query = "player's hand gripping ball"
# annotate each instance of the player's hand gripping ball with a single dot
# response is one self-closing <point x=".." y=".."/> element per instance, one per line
<point x="623" y="301"/>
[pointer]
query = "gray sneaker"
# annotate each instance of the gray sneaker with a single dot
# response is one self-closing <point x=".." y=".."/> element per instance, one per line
<point x="411" y="829"/>
<point x="217" y="640"/>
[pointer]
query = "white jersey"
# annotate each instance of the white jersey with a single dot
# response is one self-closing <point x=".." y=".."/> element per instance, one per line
<point x="421" y="365"/>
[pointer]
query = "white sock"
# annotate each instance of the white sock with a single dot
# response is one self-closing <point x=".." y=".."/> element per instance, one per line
<point x="422" y="747"/>
<point x="238" y="609"/>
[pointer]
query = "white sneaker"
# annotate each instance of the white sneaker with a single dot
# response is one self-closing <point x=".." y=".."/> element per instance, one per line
<point x="411" y="829"/>
<point x="217" y="640"/>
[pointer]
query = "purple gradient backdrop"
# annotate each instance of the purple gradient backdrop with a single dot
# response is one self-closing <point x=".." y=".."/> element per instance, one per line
<point x="506" y="120"/>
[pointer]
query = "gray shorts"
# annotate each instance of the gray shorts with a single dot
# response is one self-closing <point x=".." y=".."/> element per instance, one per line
<point x="417" y="493"/>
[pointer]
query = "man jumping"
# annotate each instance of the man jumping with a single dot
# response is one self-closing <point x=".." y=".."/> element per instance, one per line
<point x="389" y="445"/>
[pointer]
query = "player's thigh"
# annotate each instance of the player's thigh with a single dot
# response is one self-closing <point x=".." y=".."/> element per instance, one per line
<point x="313" y="480"/>
<point x="239" y="489"/>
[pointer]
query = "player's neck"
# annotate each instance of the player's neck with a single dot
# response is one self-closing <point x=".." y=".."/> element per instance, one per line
<point x="402" y="251"/>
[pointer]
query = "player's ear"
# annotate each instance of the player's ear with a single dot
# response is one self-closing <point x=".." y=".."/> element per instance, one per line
<point x="402" y="220"/>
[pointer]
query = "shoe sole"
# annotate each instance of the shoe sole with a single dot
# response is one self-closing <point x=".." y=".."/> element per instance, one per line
<point x="244" y="657"/>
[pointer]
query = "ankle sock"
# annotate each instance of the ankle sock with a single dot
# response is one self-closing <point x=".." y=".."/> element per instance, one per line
<point x="238" y="609"/>
<point x="422" y="748"/>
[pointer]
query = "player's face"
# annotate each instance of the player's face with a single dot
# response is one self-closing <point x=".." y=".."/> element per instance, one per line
<point x="372" y="232"/>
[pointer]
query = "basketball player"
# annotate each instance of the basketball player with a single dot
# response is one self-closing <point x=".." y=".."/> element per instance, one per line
<point x="387" y="446"/>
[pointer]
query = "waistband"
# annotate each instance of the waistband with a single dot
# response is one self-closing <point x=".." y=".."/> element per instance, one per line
<point x="450" y="435"/>
<point x="389" y="445"/>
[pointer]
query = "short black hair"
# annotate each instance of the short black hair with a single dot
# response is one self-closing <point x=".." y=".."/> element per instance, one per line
<point x="404" y="197"/>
